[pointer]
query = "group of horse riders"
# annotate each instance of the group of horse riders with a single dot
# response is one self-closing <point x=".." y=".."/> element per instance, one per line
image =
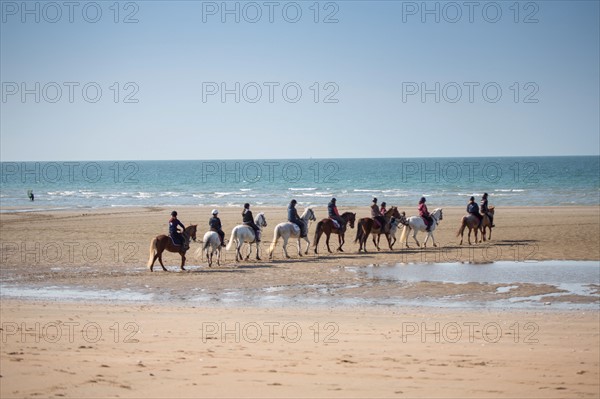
<point x="377" y="213"/>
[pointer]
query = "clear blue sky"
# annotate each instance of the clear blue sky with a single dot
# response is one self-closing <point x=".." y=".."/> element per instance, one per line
<point x="374" y="57"/>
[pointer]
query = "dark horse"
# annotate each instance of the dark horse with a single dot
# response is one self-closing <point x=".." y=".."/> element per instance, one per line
<point x="366" y="226"/>
<point x="326" y="226"/>
<point x="163" y="242"/>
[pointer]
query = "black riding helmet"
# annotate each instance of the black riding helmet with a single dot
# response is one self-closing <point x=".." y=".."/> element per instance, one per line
<point x="246" y="206"/>
<point x="333" y="200"/>
<point x="485" y="195"/>
<point x="293" y="202"/>
<point x="174" y="213"/>
<point x="423" y="199"/>
<point x="472" y="199"/>
<point x="383" y="203"/>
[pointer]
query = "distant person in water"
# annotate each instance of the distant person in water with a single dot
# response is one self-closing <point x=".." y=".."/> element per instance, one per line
<point x="215" y="225"/>
<point x="484" y="208"/>
<point x="30" y="195"/>
<point x="424" y="213"/>
<point x="473" y="209"/>
<point x="173" y="231"/>
<point x="248" y="220"/>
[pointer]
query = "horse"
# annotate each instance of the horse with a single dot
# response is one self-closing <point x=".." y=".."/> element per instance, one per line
<point x="366" y="226"/>
<point x="326" y="226"/>
<point x="242" y="234"/>
<point x="211" y="239"/>
<point x="472" y="222"/>
<point x="394" y="223"/>
<point x="163" y="242"/>
<point x="417" y="224"/>
<point x="288" y="229"/>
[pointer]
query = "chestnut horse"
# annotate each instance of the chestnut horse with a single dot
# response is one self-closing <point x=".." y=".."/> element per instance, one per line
<point x="365" y="227"/>
<point x="326" y="226"/>
<point x="472" y="222"/>
<point x="163" y="242"/>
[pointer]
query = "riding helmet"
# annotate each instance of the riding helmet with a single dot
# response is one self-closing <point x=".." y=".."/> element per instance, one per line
<point x="215" y="212"/>
<point x="294" y="202"/>
<point x="383" y="203"/>
<point x="333" y="200"/>
<point x="423" y="199"/>
<point x="374" y="199"/>
<point x="472" y="199"/>
<point x="485" y="195"/>
<point x="246" y="205"/>
<point x="174" y="213"/>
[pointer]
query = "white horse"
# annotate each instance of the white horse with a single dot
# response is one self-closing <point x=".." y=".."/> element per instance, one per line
<point x="286" y="230"/>
<point x="211" y="239"/>
<point x="417" y="224"/>
<point x="242" y="233"/>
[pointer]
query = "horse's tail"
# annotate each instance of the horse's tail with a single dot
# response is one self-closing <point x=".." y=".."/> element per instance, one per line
<point x="317" y="233"/>
<point x="359" y="232"/>
<point x="276" y="235"/>
<point x="152" y="251"/>
<point x="405" y="232"/>
<point x="232" y="239"/>
<point x="461" y="229"/>
<point x="206" y="244"/>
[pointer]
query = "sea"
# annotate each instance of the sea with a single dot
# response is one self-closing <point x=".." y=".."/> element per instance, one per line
<point x="510" y="181"/>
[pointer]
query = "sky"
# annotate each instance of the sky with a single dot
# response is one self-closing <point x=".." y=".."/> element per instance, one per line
<point x="157" y="80"/>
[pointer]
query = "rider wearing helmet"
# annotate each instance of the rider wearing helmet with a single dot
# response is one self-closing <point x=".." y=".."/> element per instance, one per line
<point x="383" y="208"/>
<point x="215" y="225"/>
<point x="424" y="213"/>
<point x="175" y="235"/>
<point x="485" y="209"/>
<point x="248" y="220"/>
<point x="376" y="215"/>
<point x="473" y="209"/>
<point x="294" y="218"/>
<point x="334" y="214"/>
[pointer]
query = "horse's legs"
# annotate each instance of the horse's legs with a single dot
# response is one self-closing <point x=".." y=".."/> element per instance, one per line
<point x="249" y="251"/>
<point x="257" y="248"/>
<point x="327" y="242"/>
<point x="389" y="241"/>
<point x="285" y="241"/>
<point x="432" y="238"/>
<point x="153" y="260"/>
<point x="342" y="241"/>
<point x="299" y="247"/>
<point x="182" y="260"/>
<point x="490" y="236"/>
<point x="238" y="251"/>
<point x="317" y="238"/>
<point x="161" y="262"/>
<point x="307" y="244"/>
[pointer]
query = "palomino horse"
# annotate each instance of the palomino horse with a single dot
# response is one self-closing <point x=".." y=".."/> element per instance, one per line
<point x="366" y="226"/>
<point x="417" y="224"/>
<point x="326" y="226"/>
<point x="288" y="229"/>
<point x="211" y="241"/>
<point x="242" y="234"/>
<point x="163" y="242"/>
<point x="472" y="222"/>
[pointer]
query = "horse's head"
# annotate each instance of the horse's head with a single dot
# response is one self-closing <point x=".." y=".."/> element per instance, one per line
<point x="261" y="220"/>
<point x="437" y="213"/>
<point x="393" y="212"/>
<point x="191" y="231"/>
<point x="350" y="218"/>
<point x="311" y="214"/>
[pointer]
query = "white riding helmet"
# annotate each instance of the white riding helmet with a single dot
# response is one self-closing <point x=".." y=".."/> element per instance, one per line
<point x="214" y="211"/>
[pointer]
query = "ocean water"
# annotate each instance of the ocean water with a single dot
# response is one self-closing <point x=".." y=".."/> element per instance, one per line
<point x="510" y="181"/>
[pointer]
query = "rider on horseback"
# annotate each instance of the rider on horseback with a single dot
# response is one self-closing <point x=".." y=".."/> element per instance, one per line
<point x="248" y="220"/>
<point x="215" y="225"/>
<point x="424" y="213"/>
<point x="175" y="235"/>
<point x="333" y="213"/>
<point x="473" y="209"/>
<point x="383" y="208"/>
<point x="377" y="215"/>
<point x="294" y="218"/>
<point x="485" y="209"/>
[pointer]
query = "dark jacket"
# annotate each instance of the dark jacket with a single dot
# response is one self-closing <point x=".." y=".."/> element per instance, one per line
<point x="484" y="205"/>
<point x="332" y="210"/>
<point x="473" y="208"/>
<point x="173" y="223"/>
<point x="215" y="223"/>
<point x="247" y="216"/>
<point x="293" y="214"/>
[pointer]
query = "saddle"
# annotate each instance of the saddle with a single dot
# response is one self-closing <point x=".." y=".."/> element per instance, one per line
<point x="376" y="223"/>
<point x="336" y="224"/>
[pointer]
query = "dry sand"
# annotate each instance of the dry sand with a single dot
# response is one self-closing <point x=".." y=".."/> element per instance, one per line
<point x="177" y="355"/>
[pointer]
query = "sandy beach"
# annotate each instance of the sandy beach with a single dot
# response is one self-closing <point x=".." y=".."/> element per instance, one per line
<point x="167" y="341"/>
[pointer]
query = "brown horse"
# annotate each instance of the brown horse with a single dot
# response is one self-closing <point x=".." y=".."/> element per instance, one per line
<point x="163" y="242"/>
<point x="472" y="222"/>
<point x="326" y="226"/>
<point x="366" y="226"/>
